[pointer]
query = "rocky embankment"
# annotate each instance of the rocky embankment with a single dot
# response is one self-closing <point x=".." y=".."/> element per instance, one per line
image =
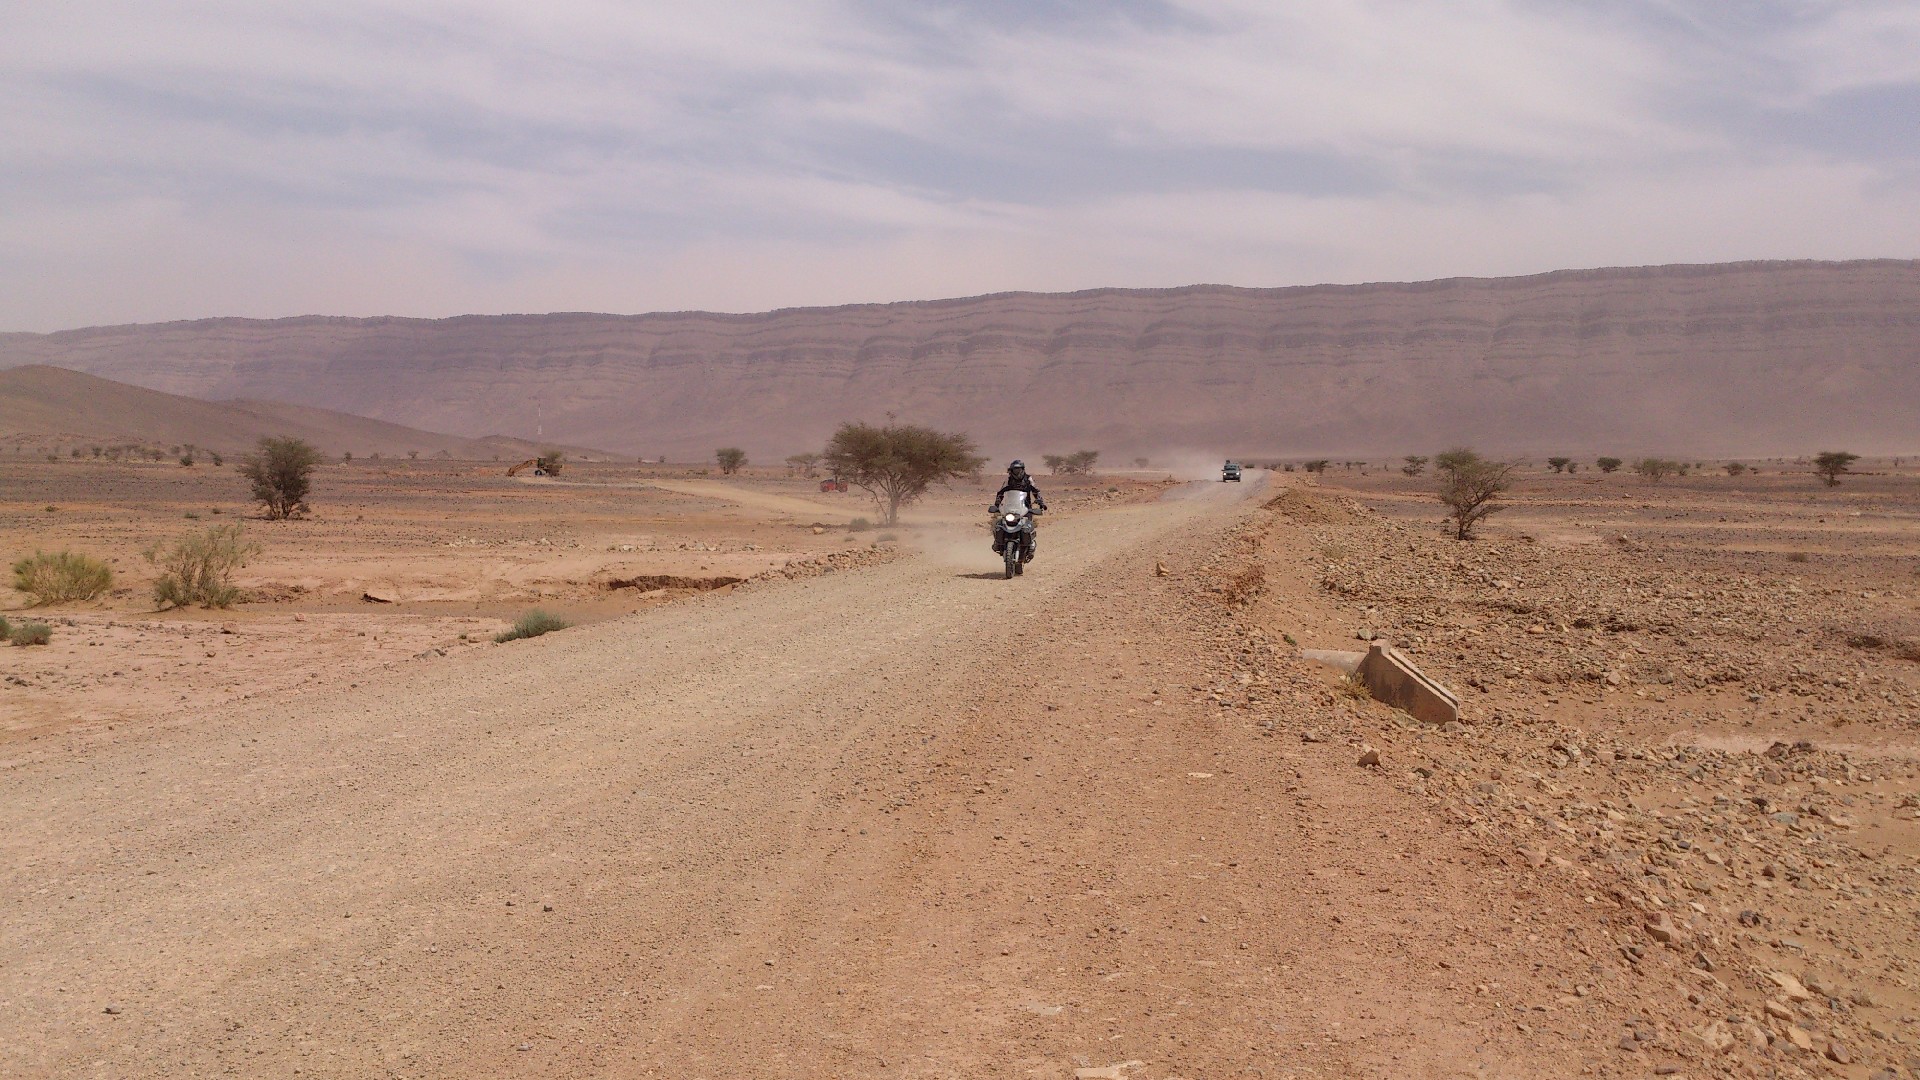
<point x="1699" y="780"/>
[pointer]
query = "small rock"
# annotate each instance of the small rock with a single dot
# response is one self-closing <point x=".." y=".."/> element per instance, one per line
<point x="1778" y="1010"/>
<point x="1789" y="986"/>
<point x="818" y="531"/>
<point x="1798" y="1037"/>
<point x="372" y="597"/>
<point x="1160" y="569"/>
<point x="1837" y="1052"/>
<point x="1312" y="736"/>
<point x="1715" y="1036"/>
<point x="1660" y="927"/>
<point x="111" y="1010"/>
<point x="1369" y="757"/>
<point x="524" y="1047"/>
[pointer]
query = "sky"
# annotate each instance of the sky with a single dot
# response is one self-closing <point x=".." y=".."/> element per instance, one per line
<point x="163" y="160"/>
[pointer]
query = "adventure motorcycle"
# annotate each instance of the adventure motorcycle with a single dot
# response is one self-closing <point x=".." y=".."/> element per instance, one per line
<point x="1013" y="536"/>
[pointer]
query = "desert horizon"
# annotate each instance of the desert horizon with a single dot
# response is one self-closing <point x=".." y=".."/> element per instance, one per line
<point x="758" y="541"/>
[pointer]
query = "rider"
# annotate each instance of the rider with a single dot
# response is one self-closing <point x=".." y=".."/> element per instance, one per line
<point x="1018" y="480"/>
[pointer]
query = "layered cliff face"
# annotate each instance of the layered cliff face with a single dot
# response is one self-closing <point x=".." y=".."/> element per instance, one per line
<point x="1737" y="359"/>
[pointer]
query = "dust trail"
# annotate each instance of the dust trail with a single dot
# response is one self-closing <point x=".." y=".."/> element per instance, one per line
<point x="958" y="544"/>
<point x="1183" y="465"/>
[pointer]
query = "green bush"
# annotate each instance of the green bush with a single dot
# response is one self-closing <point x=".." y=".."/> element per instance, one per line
<point x="532" y="624"/>
<point x="31" y="633"/>
<point x="859" y="524"/>
<point x="67" y="575"/>
<point x="198" y="568"/>
<point x="282" y="472"/>
<point x="6" y="628"/>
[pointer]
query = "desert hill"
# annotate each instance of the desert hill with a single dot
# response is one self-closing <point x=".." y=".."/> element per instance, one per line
<point x="48" y="405"/>
<point x="1730" y="359"/>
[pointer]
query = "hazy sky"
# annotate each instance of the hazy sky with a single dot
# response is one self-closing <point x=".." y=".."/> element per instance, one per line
<point x="165" y="160"/>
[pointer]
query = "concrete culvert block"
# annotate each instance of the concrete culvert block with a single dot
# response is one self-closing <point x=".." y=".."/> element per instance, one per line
<point x="1392" y="678"/>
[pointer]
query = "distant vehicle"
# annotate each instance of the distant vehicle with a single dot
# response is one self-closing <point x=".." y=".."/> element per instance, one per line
<point x="1230" y="471"/>
<point x="530" y="463"/>
<point x="833" y="484"/>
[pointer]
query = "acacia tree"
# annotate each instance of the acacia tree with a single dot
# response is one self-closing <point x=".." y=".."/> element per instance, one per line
<point x="1608" y="464"/>
<point x="282" y="472"/>
<point x="896" y="464"/>
<point x="1415" y="465"/>
<point x="1658" y="469"/>
<point x="1831" y="463"/>
<point x="1469" y="484"/>
<point x="803" y="464"/>
<point x="1559" y="464"/>
<point x="1078" y="463"/>
<point x="730" y="458"/>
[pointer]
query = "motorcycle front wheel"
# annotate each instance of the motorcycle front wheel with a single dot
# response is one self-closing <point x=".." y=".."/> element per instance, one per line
<point x="1013" y="558"/>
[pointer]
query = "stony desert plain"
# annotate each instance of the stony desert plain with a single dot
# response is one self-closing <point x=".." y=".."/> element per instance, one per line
<point x="799" y="797"/>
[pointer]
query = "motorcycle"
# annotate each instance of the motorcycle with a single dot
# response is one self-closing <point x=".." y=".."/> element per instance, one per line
<point x="1013" y="536"/>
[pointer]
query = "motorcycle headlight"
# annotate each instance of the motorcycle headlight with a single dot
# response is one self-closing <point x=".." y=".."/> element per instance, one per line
<point x="1011" y="519"/>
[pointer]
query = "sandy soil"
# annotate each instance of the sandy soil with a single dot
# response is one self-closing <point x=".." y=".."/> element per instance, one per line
<point x="404" y="560"/>
<point x="911" y="820"/>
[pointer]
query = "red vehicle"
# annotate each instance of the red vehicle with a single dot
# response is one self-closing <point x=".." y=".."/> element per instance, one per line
<point x="833" y="484"/>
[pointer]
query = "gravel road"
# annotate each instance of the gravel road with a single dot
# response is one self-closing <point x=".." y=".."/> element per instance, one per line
<point x="907" y="821"/>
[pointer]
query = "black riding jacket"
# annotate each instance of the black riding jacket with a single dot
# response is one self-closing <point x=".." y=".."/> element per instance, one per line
<point x="1025" y="484"/>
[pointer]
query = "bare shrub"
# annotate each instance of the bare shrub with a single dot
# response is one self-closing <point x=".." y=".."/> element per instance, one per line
<point x="67" y="575"/>
<point x="1798" y="556"/>
<point x="1244" y="584"/>
<point x="1469" y="484"/>
<point x="532" y="624"/>
<point x="1355" y="686"/>
<point x="1657" y="469"/>
<point x="30" y="633"/>
<point x="198" y="567"/>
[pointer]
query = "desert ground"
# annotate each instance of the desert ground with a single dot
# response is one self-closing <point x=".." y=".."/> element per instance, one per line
<point x="800" y="799"/>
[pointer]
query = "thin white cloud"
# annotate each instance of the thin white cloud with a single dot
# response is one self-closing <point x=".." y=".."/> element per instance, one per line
<point x="270" y="158"/>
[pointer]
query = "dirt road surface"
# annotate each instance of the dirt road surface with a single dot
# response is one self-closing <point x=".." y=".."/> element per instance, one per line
<point x="909" y="821"/>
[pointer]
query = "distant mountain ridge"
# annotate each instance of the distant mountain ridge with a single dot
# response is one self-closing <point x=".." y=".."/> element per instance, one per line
<point x="52" y="406"/>
<point x="1723" y="359"/>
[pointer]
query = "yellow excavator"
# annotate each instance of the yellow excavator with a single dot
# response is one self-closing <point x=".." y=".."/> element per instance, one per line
<point x="530" y="463"/>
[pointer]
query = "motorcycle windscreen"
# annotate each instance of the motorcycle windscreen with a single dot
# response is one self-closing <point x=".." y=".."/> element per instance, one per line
<point x="1013" y="502"/>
